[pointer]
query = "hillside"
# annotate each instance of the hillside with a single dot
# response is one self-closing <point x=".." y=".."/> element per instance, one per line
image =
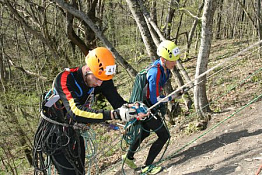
<point x="234" y="147"/>
<point x="231" y="143"/>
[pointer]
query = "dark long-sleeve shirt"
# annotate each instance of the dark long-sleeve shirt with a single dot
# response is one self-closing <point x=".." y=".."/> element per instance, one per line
<point x="73" y="92"/>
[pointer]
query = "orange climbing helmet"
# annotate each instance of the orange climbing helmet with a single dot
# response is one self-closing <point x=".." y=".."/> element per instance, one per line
<point x="168" y="50"/>
<point x="101" y="63"/>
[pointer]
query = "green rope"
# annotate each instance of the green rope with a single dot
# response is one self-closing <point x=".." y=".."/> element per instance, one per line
<point x="209" y="130"/>
<point x="90" y="147"/>
<point x="133" y="130"/>
<point x="227" y="92"/>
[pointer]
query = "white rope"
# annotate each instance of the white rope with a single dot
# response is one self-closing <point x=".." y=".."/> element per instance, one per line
<point x="208" y="71"/>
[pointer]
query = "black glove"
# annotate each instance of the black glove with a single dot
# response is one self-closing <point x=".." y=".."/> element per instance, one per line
<point x="124" y="113"/>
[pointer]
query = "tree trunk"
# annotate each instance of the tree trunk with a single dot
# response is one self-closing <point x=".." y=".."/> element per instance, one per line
<point x="153" y="17"/>
<point x="219" y="19"/>
<point x="200" y="96"/>
<point x="2" y="78"/>
<point x="75" y="40"/>
<point x="259" y="26"/>
<point x="193" y="29"/>
<point x="169" y="18"/>
<point x="144" y="31"/>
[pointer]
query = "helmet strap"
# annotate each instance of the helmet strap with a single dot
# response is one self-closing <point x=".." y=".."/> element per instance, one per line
<point x="86" y="71"/>
<point x="163" y="61"/>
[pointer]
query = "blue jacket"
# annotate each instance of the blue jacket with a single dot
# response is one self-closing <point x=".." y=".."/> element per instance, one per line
<point x="156" y="80"/>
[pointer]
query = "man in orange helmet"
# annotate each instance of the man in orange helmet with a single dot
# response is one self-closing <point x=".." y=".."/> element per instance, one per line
<point x="76" y="89"/>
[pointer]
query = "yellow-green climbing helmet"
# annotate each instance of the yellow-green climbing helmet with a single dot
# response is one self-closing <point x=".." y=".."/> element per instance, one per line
<point x="168" y="50"/>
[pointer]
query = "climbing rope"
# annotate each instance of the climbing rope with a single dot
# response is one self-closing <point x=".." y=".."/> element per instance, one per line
<point x="224" y="94"/>
<point x="52" y="136"/>
<point x="79" y="126"/>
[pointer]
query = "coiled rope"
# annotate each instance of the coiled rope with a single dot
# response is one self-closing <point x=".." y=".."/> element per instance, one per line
<point x="49" y="139"/>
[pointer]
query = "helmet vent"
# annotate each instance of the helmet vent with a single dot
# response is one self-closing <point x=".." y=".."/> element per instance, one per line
<point x="169" y="53"/>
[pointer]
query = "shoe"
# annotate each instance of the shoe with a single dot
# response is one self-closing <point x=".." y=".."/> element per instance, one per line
<point x="151" y="170"/>
<point x="129" y="162"/>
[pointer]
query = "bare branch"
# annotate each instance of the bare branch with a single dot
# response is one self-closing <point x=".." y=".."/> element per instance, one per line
<point x="26" y="71"/>
<point x="189" y="13"/>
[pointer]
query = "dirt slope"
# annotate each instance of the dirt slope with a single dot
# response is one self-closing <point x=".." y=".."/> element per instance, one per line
<point x="234" y="147"/>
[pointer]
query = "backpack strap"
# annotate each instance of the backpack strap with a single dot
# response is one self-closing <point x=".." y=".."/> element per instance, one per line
<point x="157" y="76"/>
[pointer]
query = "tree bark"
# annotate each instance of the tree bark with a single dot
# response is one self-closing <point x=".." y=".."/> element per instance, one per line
<point x="200" y="96"/>
<point x="170" y="15"/>
<point x="193" y="29"/>
<point x="72" y="35"/>
<point x="259" y="23"/>
<point x="219" y="19"/>
<point x="141" y="23"/>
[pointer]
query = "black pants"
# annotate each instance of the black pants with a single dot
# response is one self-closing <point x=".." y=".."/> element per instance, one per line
<point x="162" y="133"/>
<point x="70" y="164"/>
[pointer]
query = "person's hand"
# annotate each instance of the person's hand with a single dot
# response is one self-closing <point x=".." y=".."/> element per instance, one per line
<point x="179" y="94"/>
<point x="124" y="113"/>
<point x="142" y="116"/>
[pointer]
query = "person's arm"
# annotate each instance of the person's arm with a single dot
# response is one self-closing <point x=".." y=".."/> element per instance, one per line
<point x="110" y="92"/>
<point x="153" y="78"/>
<point x="122" y="111"/>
